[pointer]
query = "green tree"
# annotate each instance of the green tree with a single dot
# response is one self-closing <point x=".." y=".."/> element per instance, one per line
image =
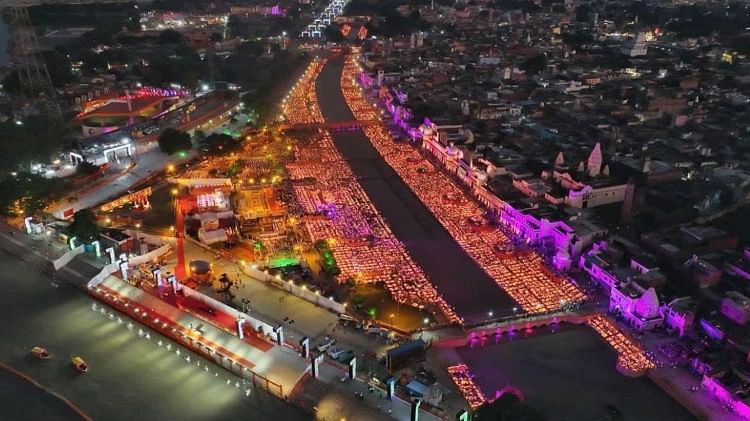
<point x="28" y="193"/>
<point x="86" y="168"/>
<point x="84" y="225"/>
<point x="216" y="144"/>
<point x="172" y="141"/>
<point x="34" y="139"/>
<point x="534" y="64"/>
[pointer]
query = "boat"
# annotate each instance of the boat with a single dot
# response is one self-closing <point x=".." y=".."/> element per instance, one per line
<point x="40" y="353"/>
<point x="79" y="364"/>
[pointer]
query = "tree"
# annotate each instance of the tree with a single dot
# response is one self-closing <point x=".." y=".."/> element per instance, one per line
<point x="508" y="407"/>
<point x="534" y="64"/>
<point x="36" y="138"/>
<point x="215" y="37"/>
<point x="84" y="225"/>
<point x="216" y="144"/>
<point x="28" y="193"/>
<point x="582" y="12"/>
<point x="172" y="141"/>
<point x="358" y="301"/>
<point x="333" y="33"/>
<point x="86" y="168"/>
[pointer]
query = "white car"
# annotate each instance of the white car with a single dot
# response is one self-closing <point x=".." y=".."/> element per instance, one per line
<point x="335" y="352"/>
<point x="326" y="343"/>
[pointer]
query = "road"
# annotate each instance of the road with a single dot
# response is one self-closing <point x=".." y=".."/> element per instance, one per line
<point x="273" y="305"/>
<point x="128" y="375"/>
<point x="461" y="282"/>
<point x="112" y="186"/>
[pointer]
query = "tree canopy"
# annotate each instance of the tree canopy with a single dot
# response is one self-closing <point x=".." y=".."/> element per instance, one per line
<point x="172" y="141"/>
<point x="84" y="225"/>
<point x="217" y="144"/>
<point x="27" y="192"/>
<point x="35" y="138"/>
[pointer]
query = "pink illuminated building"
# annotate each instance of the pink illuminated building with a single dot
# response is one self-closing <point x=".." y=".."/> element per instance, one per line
<point x="639" y="306"/>
<point x="568" y="237"/>
<point x="736" y="307"/>
<point x="679" y="314"/>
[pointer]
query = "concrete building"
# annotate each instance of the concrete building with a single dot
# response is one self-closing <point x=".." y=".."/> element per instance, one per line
<point x="637" y="47"/>
<point x="736" y="307"/>
<point x="679" y="314"/>
<point x="639" y="306"/>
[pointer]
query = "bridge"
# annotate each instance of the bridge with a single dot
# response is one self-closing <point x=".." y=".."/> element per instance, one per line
<point x="333" y="126"/>
<point x="493" y="331"/>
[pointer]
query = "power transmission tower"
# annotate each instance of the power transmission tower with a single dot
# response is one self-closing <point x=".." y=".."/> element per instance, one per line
<point x="32" y="72"/>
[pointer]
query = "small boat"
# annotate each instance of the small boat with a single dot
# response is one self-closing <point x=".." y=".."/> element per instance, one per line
<point x="79" y="364"/>
<point x="40" y="353"/>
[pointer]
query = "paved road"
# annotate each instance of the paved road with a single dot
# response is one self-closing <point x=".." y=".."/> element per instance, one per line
<point x="456" y="276"/>
<point x="129" y="375"/>
<point x="115" y="185"/>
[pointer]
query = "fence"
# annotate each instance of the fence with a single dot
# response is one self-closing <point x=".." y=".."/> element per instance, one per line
<point x="103" y="274"/>
<point x="180" y="335"/>
<point x="150" y="256"/>
<point x="149" y="238"/>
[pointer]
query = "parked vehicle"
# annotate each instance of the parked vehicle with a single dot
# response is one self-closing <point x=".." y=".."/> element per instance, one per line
<point x="345" y="357"/>
<point x="326" y="343"/>
<point x="374" y="330"/>
<point x="343" y="317"/>
<point x="335" y="352"/>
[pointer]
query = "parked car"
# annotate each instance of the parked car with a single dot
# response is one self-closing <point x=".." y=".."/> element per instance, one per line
<point x="335" y="352"/>
<point x="374" y="330"/>
<point x="326" y="343"/>
<point x="345" y="357"/>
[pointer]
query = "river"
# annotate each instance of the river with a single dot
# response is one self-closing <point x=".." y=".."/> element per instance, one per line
<point x="130" y="377"/>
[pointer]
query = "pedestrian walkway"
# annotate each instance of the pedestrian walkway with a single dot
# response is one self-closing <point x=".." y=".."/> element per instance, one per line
<point x="216" y="317"/>
<point x="280" y="365"/>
